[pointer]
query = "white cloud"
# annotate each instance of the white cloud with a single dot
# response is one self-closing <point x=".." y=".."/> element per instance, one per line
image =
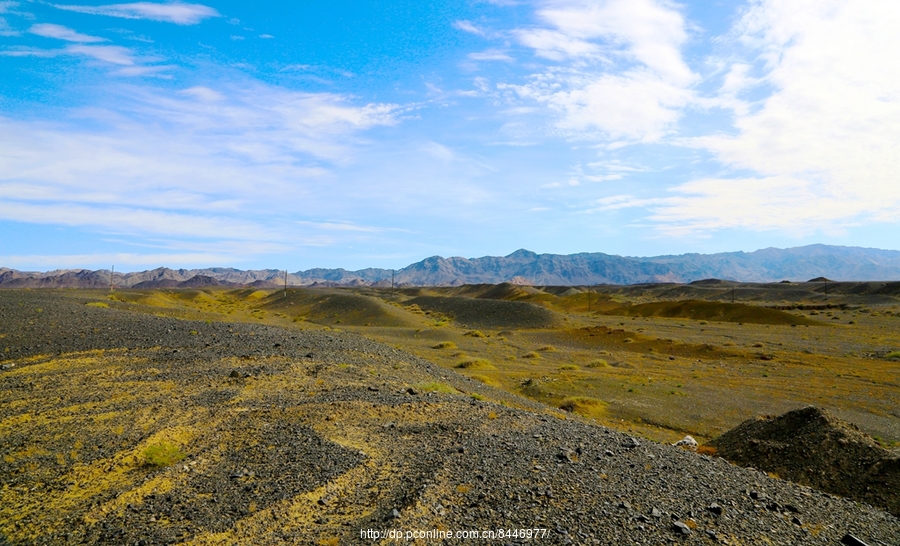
<point x="123" y="260"/>
<point x="467" y="26"/>
<point x="174" y="12"/>
<point x="823" y="144"/>
<point x="6" y="30"/>
<point x="201" y="163"/>
<point x="490" y="55"/>
<point x="110" y="54"/>
<point x="60" y="32"/>
<point x="135" y="220"/>
<point x="618" y="73"/>
<point x="154" y="70"/>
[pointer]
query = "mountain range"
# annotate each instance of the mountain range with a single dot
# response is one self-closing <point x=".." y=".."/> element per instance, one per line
<point x="521" y="267"/>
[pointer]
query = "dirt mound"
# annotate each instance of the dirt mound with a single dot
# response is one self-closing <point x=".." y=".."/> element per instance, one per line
<point x="708" y="310"/>
<point x="508" y="291"/>
<point x="337" y="307"/>
<point x="482" y="313"/>
<point x="813" y="447"/>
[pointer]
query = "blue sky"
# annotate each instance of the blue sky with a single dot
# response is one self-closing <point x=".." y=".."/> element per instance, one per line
<point x="352" y="134"/>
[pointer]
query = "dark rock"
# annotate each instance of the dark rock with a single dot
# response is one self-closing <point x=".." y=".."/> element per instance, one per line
<point x="850" y="540"/>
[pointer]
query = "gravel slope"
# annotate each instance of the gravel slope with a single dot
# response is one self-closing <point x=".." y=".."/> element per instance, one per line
<point x="314" y="437"/>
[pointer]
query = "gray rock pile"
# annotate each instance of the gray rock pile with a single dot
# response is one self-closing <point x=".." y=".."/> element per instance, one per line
<point x="810" y="446"/>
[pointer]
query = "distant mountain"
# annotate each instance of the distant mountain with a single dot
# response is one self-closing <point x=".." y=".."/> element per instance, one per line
<point x="522" y="267"/>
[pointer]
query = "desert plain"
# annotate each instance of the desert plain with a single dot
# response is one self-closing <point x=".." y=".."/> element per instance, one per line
<point x="316" y="415"/>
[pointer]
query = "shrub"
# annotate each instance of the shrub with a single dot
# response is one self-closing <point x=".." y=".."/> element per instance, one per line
<point x="568" y="367"/>
<point x="100" y="304"/>
<point x="531" y="354"/>
<point x="584" y="405"/>
<point x="162" y="454"/>
<point x="547" y="349"/>
<point x="598" y="363"/>
<point x="445" y="345"/>
<point x="434" y="386"/>
<point x="893" y="355"/>
<point x="479" y="363"/>
<point x="475" y="333"/>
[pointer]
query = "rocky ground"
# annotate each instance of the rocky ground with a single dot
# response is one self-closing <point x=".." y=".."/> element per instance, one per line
<point x="299" y="437"/>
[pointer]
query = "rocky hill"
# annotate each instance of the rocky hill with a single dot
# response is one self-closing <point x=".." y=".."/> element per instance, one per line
<point x="522" y="267"/>
<point x="813" y="447"/>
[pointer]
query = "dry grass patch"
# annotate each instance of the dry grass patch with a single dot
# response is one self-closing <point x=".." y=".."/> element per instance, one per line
<point x="162" y="454"/>
<point x="476" y="364"/>
<point x="584" y="405"/>
<point x="547" y="349"/>
<point x="445" y="345"/>
<point x="531" y="354"/>
<point x="598" y="363"/>
<point x="435" y="386"/>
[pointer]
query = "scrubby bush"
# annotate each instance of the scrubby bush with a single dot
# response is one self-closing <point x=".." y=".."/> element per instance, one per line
<point x="162" y="454"/>
<point x="893" y="355"/>
<point x="568" y="367"/>
<point x="434" y="386"/>
<point x="475" y="333"/>
<point x="584" y="405"/>
<point x="598" y="363"/>
<point x="445" y="345"/>
<point x="531" y="354"/>
<point x="547" y="349"/>
<point x="480" y="363"/>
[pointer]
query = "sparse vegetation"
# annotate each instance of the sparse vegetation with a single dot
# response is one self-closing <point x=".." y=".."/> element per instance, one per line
<point x="162" y="454"/>
<point x="444" y="345"/>
<point x="475" y="333"/>
<point x="435" y="386"/>
<point x="598" y="363"/>
<point x="476" y="363"/>
<point x="584" y="405"/>
<point x="893" y="355"/>
<point x="100" y="304"/>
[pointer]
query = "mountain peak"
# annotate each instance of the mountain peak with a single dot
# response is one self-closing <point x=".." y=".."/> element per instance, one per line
<point x="523" y="254"/>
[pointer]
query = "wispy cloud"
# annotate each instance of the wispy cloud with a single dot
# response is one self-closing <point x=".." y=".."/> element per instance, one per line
<point x="174" y="12"/>
<point x="111" y="54"/>
<point x="6" y="30"/>
<point x="822" y="144"/>
<point x="194" y="164"/>
<point x="60" y="32"/>
<point x="467" y="26"/>
<point x="490" y="55"/>
<point x="617" y="71"/>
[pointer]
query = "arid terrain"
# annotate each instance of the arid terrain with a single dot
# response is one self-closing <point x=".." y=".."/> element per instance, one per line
<point x="263" y="416"/>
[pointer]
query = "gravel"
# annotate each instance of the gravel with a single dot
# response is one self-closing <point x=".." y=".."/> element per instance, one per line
<point x="321" y="436"/>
